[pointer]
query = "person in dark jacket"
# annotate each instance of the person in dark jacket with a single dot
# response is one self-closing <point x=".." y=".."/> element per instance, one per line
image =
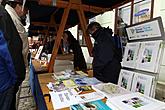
<point x="12" y="67"/>
<point x="71" y="44"/>
<point x="106" y="65"/>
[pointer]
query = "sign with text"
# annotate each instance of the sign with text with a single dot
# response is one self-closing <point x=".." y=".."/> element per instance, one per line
<point x="146" y="30"/>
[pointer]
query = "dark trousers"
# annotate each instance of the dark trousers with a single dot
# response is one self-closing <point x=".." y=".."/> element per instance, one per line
<point x="8" y="99"/>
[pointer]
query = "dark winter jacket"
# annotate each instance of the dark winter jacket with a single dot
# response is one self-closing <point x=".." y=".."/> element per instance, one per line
<point x="12" y="68"/>
<point x="79" y="60"/>
<point x="106" y="66"/>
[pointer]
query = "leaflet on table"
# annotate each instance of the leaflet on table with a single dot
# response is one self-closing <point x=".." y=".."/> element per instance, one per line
<point x="94" y="105"/>
<point x="130" y="55"/>
<point x="148" y="56"/>
<point x="110" y="90"/>
<point x="83" y="88"/>
<point x="142" y="83"/>
<point x="63" y="99"/>
<point x="82" y="98"/>
<point x="57" y="86"/>
<point x="125" y="79"/>
<point x="135" y="101"/>
<point x="81" y="73"/>
<point x="69" y="83"/>
<point x="62" y="75"/>
<point x="86" y="81"/>
<point x="70" y="97"/>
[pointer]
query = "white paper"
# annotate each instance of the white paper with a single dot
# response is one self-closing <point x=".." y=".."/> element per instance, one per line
<point x="125" y="79"/>
<point x="110" y="105"/>
<point x="130" y="55"/>
<point x="148" y="56"/>
<point x="39" y="52"/>
<point x="70" y="97"/>
<point x="135" y="101"/>
<point x="142" y="83"/>
<point x="63" y="99"/>
<point x="89" y="97"/>
<point x="110" y="90"/>
<point x="142" y="31"/>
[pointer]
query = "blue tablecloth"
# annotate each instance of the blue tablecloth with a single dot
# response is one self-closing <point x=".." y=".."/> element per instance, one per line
<point x="36" y="89"/>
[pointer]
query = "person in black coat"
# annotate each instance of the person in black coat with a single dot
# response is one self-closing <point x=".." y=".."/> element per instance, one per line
<point x="70" y="44"/>
<point x="12" y="67"/>
<point x="106" y="65"/>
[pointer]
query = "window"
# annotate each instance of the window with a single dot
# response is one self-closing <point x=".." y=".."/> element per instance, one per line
<point x="141" y="10"/>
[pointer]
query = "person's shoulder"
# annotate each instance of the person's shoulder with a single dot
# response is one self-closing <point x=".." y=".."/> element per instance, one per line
<point x="108" y="30"/>
<point x="2" y="11"/>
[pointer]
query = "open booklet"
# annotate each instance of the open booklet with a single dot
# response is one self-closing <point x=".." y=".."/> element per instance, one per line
<point x="110" y="90"/>
<point x="136" y="101"/>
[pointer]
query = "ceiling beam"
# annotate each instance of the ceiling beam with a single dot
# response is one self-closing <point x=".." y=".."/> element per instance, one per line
<point x="64" y="4"/>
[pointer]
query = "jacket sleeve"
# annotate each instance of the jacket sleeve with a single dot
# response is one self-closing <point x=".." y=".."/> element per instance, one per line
<point x="5" y="55"/>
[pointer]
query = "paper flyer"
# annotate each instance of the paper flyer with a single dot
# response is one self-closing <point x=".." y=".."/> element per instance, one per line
<point x="142" y="83"/>
<point x="63" y="99"/>
<point x="125" y="79"/>
<point x="135" y="101"/>
<point x="71" y="97"/>
<point x="148" y="56"/>
<point x="94" y="105"/>
<point x="130" y="55"/>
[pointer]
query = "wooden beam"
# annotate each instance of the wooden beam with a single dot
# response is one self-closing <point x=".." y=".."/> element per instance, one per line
<point x="58" y="37"/>
<point x="43" y="24"/>
<point x="64" y="4"/>
<point x="83" y="24"/>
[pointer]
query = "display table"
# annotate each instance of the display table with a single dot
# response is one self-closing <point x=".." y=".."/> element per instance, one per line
<point x="38" y="83"/>
<point x="44" y="79"/>
<point x="38" y="67"/>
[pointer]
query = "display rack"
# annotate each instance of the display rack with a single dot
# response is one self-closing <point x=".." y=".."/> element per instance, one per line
<point x="143" y="55"/>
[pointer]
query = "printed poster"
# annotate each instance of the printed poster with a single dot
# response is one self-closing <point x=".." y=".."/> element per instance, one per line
<point x="148" y="56"/>
<point x="130" y="55"/>
<point x="135" y="101"/>
<point x="142" y="83"/>
<point x="125" y="79"/>
<point x="146" y="30"/>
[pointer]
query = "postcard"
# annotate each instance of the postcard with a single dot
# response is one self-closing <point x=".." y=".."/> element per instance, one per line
<point x="125" y="79"/>
<point x="148" y="57"/>
<point x="130" y="54"/>
<point x="142" y="83"/>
